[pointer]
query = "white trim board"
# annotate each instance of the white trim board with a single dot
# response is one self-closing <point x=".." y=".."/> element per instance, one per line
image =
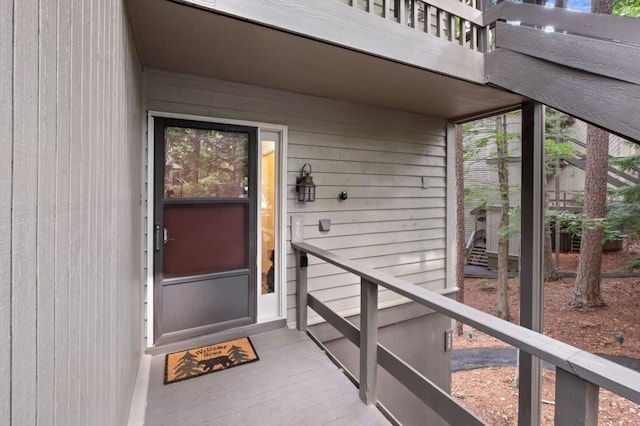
<point x="138" y="410"/>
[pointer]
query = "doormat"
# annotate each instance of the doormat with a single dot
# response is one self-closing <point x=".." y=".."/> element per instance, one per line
<point x="208" y="359"/>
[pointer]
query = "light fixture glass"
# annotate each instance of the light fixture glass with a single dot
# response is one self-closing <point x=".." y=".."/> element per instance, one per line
<point x="304" y="185"/>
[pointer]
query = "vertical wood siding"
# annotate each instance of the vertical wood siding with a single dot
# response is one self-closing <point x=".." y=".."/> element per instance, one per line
<point x="378" y="156"/>
<point x="6" y="173"/>
<point x="70" y="260"/>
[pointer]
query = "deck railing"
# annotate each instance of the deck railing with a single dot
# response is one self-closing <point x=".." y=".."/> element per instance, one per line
<point x="471" y="23"/>
<point x="456" y="21"/>
<point x="579" y="374"/>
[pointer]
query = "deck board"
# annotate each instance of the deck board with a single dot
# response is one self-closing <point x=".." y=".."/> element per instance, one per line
<point x="293" y="383"/>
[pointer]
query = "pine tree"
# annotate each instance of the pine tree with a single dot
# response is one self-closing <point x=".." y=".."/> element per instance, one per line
<point x="502" y="157"/>
<point x="187" y="366"/>
<point x="237" y="355"/>
<point x="587" y="292"/>
<point x="461" y="255"/>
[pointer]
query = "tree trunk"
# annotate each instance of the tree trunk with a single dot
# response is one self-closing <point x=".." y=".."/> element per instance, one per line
<point x="602" y="6"/>
<point x="587" y="286"/>
<point x="197" y="144"/>
<point x="461" y="258"/>
<point x="550" y="272"/>
<point x="503" y="240"/>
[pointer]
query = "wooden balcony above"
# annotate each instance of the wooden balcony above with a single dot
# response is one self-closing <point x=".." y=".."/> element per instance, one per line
<point x="319" y="48"/>
<point x="582" y="64"/>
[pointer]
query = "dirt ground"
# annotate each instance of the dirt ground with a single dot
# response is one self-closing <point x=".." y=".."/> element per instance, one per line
<point x="488" y="391"/>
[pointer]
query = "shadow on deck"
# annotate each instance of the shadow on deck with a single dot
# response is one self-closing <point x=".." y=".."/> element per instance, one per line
<point x="293" y="383"/>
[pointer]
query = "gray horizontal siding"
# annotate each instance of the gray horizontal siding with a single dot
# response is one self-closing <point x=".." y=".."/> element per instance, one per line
<point x="378" y="156"/>
<point x="70" y="315"/>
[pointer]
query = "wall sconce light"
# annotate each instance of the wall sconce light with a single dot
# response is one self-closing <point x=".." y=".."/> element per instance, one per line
<point x="304" y="185"/>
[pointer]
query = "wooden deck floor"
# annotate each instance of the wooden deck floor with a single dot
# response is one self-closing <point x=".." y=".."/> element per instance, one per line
<point x="294" y="383"/>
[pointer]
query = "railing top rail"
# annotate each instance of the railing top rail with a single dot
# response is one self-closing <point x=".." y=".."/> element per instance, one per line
<point x="595" y="369"/>
<point x="618" y="28"/>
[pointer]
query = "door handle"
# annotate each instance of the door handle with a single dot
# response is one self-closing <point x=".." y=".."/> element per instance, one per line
<point x="156" y="239"/>
<point x="166" y="235"/>
<point x="160" y="237"/>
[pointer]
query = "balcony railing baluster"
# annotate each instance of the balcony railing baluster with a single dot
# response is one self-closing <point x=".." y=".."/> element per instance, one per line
<point x="401" y="12"/>
<point x="472" y="36"/>
<point x="435" y="17"/>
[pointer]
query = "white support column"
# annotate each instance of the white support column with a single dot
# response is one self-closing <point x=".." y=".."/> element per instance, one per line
<point x="531" y="255"/>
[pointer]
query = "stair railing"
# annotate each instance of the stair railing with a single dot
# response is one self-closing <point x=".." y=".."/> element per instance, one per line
<point x="579" y="374"/>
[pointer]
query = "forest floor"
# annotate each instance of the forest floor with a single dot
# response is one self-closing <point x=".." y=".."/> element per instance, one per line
<point x="488" y="391"/>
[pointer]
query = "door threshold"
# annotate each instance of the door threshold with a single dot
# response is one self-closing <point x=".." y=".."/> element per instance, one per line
<point x="213" y="338"/>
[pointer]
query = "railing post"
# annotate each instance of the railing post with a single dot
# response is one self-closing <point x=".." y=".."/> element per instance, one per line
<point x="302" y="261"/>
<point x="531" y="256"/>
<point x="576" y="400"/>
<point x="368" y="341"/>
<point x="301" y="289"/>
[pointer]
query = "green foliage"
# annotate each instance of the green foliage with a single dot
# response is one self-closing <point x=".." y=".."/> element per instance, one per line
<point x="625" y="216"/>
<point x="513" y="228"/>
<point x="623" y="209"/>
<point x="630" y="8"/>
<point x="476" y="196"/>
<point x="557" y="122"/>
<point x="555" y="151"/>
<point x="570" y="222"/>
<point x="578" y="196"/>
<point x="202" y="163"/>
<point x="557" y="125"/>
<point x="574" y="223"/>
<point x="632" y="265"/>
<point x="470" y="151"/>
<point x="627" y="164"/>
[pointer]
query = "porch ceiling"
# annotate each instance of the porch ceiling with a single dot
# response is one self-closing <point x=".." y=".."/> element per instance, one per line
<point x="185" y="39"/>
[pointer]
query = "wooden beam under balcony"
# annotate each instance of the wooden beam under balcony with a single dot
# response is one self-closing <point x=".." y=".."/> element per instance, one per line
<point x="609" y="27"/>
<point x="603" y="57"/>
<point x="606" y="102"/>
